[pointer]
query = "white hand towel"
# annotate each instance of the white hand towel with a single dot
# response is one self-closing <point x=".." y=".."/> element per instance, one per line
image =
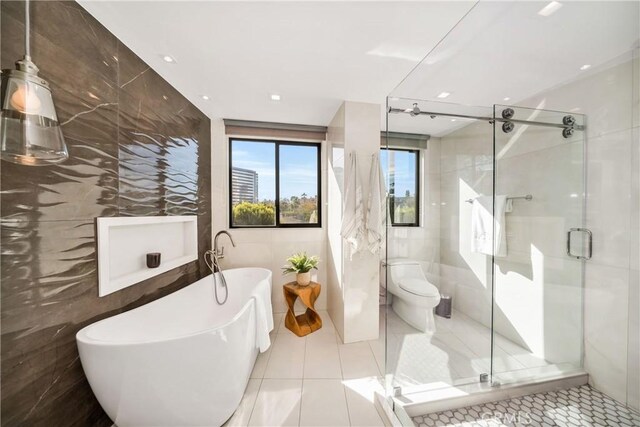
<point x="264" y="315"/>
<point x="353" y="224"/>
<point x="483" y="223"/>
<point x="377" y="207"/>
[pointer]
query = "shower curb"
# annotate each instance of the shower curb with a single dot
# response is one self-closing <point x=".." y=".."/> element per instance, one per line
<point x="474" y="395"/>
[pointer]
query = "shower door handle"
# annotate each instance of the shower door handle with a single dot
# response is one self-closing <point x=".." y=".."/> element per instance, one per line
<point x="589" y="243"/>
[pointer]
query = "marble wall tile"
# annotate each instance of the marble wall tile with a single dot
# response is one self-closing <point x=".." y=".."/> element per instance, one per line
<point x="633" y="348"/>
<point x="633" y="358"/>
<point x="605" y="329"/>
<point x="466" y="148"/>
<point x="137" y="147"/>
<point x="86" y="185"/>
<point x="636" y="88"/>
<point x="608" y="96"/>
<point x="604" y="95"/>
<point x="609" y="197"/>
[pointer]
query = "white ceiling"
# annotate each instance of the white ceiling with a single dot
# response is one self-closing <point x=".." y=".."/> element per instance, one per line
<point x="317" y="54"/>
<point x="507" y="49"/>
<point x="313" y="54"/>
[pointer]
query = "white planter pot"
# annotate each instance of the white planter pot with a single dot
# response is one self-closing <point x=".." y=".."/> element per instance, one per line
<point x="303" y="279"/>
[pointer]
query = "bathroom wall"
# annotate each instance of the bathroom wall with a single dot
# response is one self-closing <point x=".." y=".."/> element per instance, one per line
<point x="466" y="171"/>
<point x="423" y="243"/>
<point x="608" y="96"/>
<point x="137" y="147"/>
<point x="353" y="280"/>
<point x="265" y="247"/>
<point x="536" y="273"/>
<point x="335" y="191"/>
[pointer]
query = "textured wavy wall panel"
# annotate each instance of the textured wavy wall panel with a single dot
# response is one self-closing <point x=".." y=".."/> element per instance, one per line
<point x="137" y="147"/>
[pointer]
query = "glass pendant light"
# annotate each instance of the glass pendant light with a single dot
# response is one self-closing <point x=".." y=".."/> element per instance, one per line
<point x="30" y="133"/>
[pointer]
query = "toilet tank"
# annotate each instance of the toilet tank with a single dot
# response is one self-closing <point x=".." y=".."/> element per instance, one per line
<point x="403" y="268"/>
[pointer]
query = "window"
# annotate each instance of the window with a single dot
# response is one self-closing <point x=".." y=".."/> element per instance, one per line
<point x="274" y="183"/>
<point x="402" y="172"/>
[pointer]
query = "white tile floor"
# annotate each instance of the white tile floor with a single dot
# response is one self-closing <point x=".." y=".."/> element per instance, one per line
<point x="297" y="379"/>
<point x="458" y="352"/>
<point x="312" y="381"/>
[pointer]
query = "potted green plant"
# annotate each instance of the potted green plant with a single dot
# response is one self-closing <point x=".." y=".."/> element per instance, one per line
<point x="301" y="264"/>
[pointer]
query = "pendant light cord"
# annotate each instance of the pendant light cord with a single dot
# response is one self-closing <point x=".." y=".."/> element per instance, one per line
<point x="27" y="25"/>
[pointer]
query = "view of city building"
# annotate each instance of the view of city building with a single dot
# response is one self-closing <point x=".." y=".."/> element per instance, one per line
<point x="245" y="186"/>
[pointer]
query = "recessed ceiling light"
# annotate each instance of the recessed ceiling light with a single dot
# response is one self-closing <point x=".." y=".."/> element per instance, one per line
<point x="585" y="67"/>
<point x="275" y="97"/>
<point x="443" y="95"/>
<point x="550" y="9"/>
<point x="169" y="59"/>
<point x="205" y="97"/>
<point x="506" y="98"/>
<point x="453" y="120"/>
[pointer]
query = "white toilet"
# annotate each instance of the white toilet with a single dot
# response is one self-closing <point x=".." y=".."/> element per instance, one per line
<point x="414" y="297"/>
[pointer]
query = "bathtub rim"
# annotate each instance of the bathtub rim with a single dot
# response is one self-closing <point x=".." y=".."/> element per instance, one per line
<point x="81" y="335"/>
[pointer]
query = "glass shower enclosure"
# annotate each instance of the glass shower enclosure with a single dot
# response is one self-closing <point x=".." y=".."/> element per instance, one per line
<point x="502" y="235"/>
<point x="500" y="231"/>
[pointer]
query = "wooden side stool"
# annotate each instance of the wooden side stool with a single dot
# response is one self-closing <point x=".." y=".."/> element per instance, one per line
<point x="309" y="321"/>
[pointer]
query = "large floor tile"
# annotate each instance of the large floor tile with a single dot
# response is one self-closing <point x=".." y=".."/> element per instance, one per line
<point x="322" y="359"/>
<point x="278" y="321"/>
<point x="422" y="362"/>
<point x="287" y="357"/>
<point x="522" y="355"/>
<point x="261" y="363"/>
<point x="327" y="325"/>
<point x="323" y="403"/>
<point x="243" y="413"/>
<point x="378" y="349"/>
<point x="277" y="403"/>
<point x="357" y="361"/>
<point x="360" y="401"/>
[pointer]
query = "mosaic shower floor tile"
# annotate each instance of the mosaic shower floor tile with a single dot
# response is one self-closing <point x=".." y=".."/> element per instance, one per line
<point x="577" y="406"/>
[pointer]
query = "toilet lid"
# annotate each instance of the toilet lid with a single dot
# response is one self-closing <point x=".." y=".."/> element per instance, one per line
<point x="419" y="287"/>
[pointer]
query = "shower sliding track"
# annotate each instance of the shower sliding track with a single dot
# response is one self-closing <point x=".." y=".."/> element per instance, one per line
<point x="568" y="123"/>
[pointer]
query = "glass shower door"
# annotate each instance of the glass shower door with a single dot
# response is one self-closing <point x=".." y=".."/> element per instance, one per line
<point x="540" y="243"/>
<point x="456" y="167"/>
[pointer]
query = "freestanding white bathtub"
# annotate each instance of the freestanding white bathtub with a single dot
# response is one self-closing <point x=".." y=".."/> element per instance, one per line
<point x="181" y="360"/>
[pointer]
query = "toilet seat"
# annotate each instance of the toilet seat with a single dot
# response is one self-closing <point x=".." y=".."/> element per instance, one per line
<point x="419" y="287"/>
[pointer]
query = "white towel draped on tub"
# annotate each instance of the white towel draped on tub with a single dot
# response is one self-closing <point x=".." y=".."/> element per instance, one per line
<point x="377" y="207"/>
<point x="482" y="223"/>
<point x="264" y="315"/>
<point x="353" y="224"/>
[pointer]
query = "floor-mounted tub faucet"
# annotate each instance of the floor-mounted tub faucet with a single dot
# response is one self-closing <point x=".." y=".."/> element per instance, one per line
<point x="212" y="258"/>
<point x="219" y="253"/>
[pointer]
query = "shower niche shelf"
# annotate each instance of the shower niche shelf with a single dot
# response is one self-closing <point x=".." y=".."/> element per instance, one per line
<point x="124" y="242"/>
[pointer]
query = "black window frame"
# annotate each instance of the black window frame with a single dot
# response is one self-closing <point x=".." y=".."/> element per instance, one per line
<point x="391" y="199"/>
<point x="277" y="143"/>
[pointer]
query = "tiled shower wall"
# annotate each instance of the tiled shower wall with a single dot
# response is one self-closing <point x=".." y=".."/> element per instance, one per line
<point x="609" y="96"/>
<point x="137" y="148"/>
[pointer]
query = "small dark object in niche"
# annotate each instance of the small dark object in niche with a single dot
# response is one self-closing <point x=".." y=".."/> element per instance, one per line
<point x="153" y="259"/>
